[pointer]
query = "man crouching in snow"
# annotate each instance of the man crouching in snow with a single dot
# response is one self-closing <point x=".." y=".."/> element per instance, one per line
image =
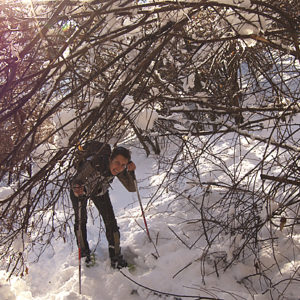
<point x="92" y="180"/>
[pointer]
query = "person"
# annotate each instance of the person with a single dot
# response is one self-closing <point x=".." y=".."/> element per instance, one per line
<point x="92" y="180"/>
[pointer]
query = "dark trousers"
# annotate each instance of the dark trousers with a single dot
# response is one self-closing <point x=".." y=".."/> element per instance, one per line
<point x="105" y="209"/>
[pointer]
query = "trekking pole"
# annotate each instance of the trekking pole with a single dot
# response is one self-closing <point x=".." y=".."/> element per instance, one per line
<point x="141" y="205"/>
<point x="79" y="237"/>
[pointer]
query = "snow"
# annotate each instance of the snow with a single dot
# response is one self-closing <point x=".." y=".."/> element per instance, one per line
<point x="146" y="118"/>
<point x="5" y="192"/>
<point x="241" y="3"/>
<point x="169" y="265"/>
<point x="128" y="102"/>
<point x="143" y="118"/>
<point x="189" y="82"/>
<point x="65" y="121"/>
<point x="178" y="270"/>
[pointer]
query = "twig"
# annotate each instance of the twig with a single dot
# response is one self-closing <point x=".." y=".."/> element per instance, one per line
<point x="165" y="293"/>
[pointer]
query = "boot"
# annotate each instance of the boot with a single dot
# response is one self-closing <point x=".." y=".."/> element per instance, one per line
<point x="87" y="254"/>
<point x="118" y="262"/>
<point x="88" y="259"/>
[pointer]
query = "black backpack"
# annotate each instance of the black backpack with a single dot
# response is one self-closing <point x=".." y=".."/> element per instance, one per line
<point x="90" y="150"/>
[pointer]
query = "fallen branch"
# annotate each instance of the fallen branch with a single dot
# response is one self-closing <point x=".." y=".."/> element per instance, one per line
<point x="280" y="179"/>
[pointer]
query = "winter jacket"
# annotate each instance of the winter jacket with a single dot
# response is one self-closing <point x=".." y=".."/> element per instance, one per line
<point x="95" y="175"/>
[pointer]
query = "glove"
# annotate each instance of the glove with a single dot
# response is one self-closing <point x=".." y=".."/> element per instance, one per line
<point x="131" y="166"/>
<point x="78" y="190"/>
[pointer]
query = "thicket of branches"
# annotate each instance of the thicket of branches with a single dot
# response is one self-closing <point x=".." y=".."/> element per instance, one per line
<point x="213" y="71"/>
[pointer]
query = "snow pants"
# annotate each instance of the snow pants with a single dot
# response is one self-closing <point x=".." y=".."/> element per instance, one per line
<point x="105" y="209"/>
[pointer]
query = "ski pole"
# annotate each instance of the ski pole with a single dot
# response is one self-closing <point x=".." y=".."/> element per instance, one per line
<point x="79" y="243"/>
<point x="141" y="205"/>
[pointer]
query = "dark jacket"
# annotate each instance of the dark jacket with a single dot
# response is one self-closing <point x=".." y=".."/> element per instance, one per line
<point x="95" y="175"/>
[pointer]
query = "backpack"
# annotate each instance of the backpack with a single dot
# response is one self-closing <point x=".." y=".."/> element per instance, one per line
<point x="89" y="150"/>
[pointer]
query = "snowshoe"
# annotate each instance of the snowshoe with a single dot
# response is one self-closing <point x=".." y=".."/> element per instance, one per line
<point x="131" y="267"/>
<point x="135" y="263"/>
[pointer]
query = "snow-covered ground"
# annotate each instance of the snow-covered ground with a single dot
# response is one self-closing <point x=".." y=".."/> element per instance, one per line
<point x="166" y="269"/>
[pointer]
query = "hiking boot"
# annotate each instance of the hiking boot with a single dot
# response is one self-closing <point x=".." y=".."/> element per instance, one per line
<point x="88" y="259"/>
<point x="118" y="262"/>
<point x="85" y="253"/>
